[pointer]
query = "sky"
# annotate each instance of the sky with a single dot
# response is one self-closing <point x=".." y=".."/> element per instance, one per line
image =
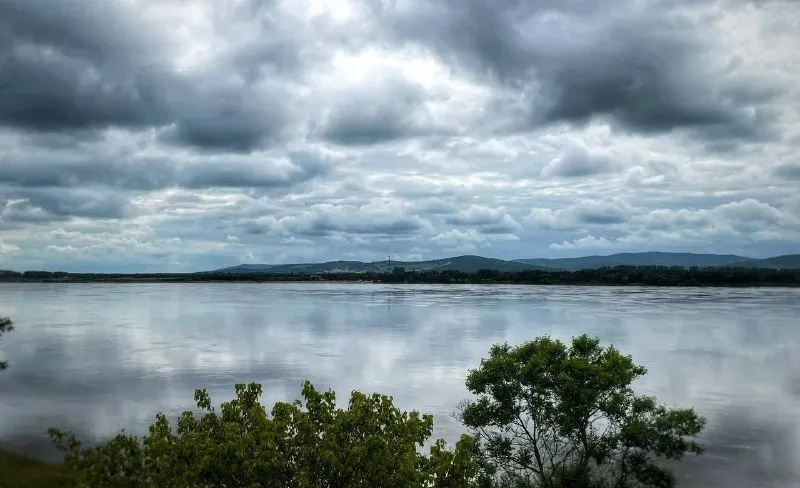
<point x="185" y="135"/>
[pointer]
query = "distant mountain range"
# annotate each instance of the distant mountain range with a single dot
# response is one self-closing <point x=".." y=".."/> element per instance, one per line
<point x="475" y="263"/>
<point x="460" y="263"/>
<point x="664" y="259"/>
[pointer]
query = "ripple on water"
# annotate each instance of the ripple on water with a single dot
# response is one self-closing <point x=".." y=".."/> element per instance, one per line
<point x="98" y="357"/>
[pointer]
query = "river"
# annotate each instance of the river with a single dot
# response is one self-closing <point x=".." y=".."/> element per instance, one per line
<point x="99" y="357"/>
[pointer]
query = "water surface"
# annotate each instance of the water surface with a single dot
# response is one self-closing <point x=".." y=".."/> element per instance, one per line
<point x="98" y="357"/>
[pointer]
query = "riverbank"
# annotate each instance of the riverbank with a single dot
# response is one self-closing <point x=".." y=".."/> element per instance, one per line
<point x="616" y="276"/>
<point x="19" y="471"/>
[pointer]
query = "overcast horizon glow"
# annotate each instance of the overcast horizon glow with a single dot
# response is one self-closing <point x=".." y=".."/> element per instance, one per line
<point x="187" y="135"/>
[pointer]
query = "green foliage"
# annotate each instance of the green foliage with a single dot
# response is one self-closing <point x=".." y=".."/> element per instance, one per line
<point x="555" y="416"/>
<point x="545" y="415"/>
<point x="304" y="444"/>
<point x="5" y="326"/>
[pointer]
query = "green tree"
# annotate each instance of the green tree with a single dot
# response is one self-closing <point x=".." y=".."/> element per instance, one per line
<point x="549" y="415"/>
<point x="5" y="326"/>
<point x="304" y="444"/>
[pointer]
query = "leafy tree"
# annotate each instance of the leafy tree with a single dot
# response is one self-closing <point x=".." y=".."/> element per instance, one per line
<point x="304" y="444"/>
<point x="549" y="415"/>
<point x="5" y="326"/>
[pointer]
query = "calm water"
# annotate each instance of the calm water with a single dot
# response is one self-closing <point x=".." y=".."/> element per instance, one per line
<point x="97" y="357"/>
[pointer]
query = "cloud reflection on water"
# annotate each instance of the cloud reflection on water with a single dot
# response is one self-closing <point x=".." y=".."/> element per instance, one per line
<point x="96" y="358"/>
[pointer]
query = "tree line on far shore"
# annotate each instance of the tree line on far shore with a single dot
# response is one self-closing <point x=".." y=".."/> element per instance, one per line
<point x="542" y="414"/>
<point x="618" y="275"/>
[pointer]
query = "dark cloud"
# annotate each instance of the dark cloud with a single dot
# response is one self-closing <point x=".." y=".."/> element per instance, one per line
<point x="145" y="174"/>
<point x="583" y="213"/>
<point x="383" y="111"/>
<point x="256" y="174"/>
<point x="790" y="171"/>
<point x="476" y="215"/>
<point x="40" y="205"/>
<point x="40" y="93"/>
<point x="320" y="226"/>
<point x="229" y="118"/>
<point x="475" y="35"/>
<point x="602" y="214"/>
<point x="255" y="230"/>
<point x="93" y="65"/>
<point x="506" y="226"/>
<point x="375" y="218"/>
<point x="646" y="68"/>
<point x="76" y="65"/>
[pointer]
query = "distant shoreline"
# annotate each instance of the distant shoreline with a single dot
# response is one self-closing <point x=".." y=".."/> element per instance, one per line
<point x="610" y="276"/>
<point x="497" y="283"/>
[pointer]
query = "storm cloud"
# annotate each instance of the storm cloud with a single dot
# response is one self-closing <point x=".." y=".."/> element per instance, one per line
<point x="187" y="133"/>
<point x="94" y="65"/>
<point x="647" y="67"/>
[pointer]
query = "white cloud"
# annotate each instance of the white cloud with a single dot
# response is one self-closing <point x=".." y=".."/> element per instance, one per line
<point x="8" y="248"/>
<point x="585" y="243"/>
<point x="578" y="161"/>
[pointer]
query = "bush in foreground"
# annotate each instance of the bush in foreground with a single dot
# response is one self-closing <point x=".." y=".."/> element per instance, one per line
<point x="545" y="415"/>
<point x="554" y="416"/>
<point x="308" y="443"/>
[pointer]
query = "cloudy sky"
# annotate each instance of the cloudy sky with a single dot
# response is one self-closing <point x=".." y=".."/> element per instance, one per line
<point x="172" y="135"/>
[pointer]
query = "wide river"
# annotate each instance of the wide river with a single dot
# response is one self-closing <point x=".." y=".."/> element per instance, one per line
<point x="97" y="357"/>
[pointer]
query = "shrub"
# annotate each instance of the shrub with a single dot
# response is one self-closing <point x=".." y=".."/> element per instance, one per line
<point x="304" y="444"/>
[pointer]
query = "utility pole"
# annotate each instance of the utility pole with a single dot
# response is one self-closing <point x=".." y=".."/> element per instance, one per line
<point x="390" y="263"/>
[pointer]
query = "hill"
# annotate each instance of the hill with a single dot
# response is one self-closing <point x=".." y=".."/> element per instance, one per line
<point x="247" y="268"/>
<point x="300" y="268"/>
<point x="467" y="264"/>
<point x="788" y="261"/>
<point x="640" y="259"/>
<point x="471" y="264"/>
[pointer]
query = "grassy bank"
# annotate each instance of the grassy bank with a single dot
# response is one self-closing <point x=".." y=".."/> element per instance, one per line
<point x="17" y="471"/>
